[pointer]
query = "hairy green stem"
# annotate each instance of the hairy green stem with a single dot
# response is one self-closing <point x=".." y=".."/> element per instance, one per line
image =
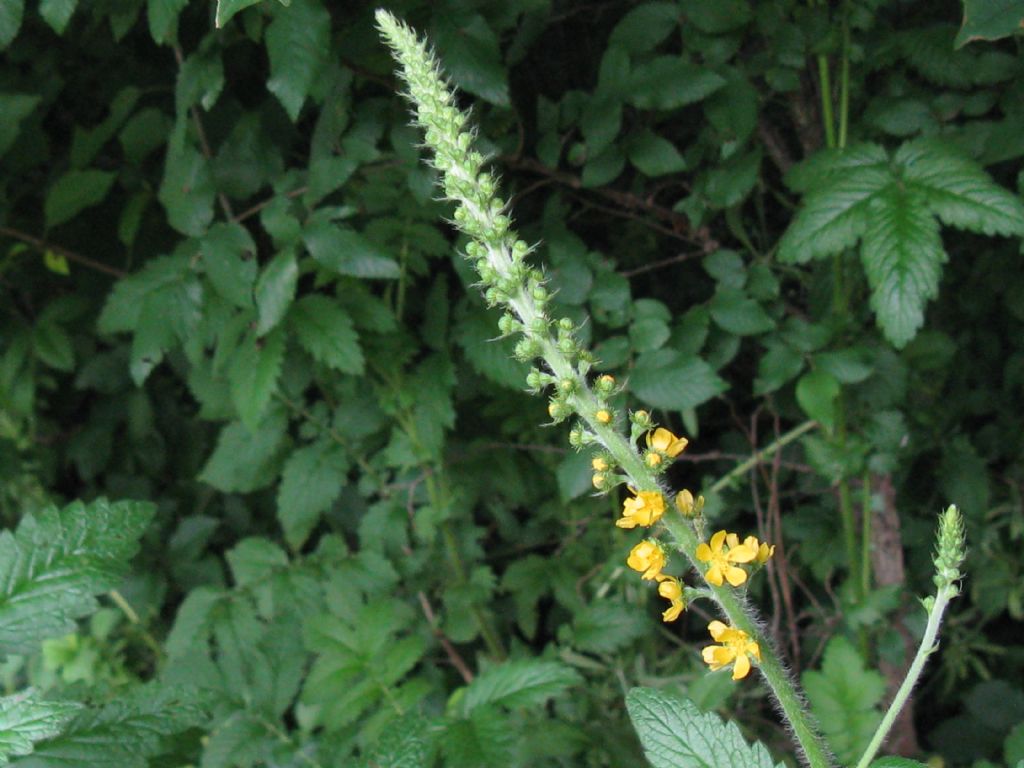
<point x="927" y="648"/>
<point x="826" y="101"/>
<point x="844" y="82"/>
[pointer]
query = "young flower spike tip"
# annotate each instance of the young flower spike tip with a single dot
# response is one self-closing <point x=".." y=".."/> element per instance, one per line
<point x="735" y="648"/>
<point x="722" y="554"/>
<point x="647" y="557"/>
<point x="644" y="509"/>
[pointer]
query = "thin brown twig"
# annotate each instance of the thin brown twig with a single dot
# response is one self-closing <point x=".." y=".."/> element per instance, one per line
<point x="453" y="655"/>
<point x="250" y="212"/>
<point x="677" y="259"/>
<point x="42" y="246"/>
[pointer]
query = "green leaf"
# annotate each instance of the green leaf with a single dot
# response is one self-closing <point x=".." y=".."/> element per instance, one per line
<point x="669" y="380"/>
<point x="834" y="214"/>
<point x="186" y="191"/>
<point x="15" y="107"/>
<point x="654" y="156"/>
<point x="26" y="719"/>
<point x="52" y="345"/>
<point x="1013" y="747"/>
<point x="472" y="56"/>
<point x="990" y="20"/>
<point x="124" y="733"/>
<point x="56" y="561"/>
<point x="297" y="41"/>
<point x="645" y="26"/>
<point x="779" y="364"/>
<point x="229" y="260"/>
<point x="484" y="738"/>
<point x="57" y="13"/>
<point x="902" y="256"/>
<point x="896" y="762"/>
<point x="86" y="144"/>
<point x="253" y="375"/>
<point x="228" y="8"/>
<point x="675" y="734"/>
<point x="275" y="290"/>
<point x="326" y="331"/>
<point x="311" y="481"/>
<point x="11" y="12"/>
<point x="346" y="252"/>
<point x="246" y="460"/>
<point x="520" y="684"/>
<point x="667" y="82"/>
<point x="74" y="192"/>
<point x="253" y="559"/>
<point x="958" y="191"/>
<point x="606" y="626"/>
<point x="163" y="19"/>
<point x="717" y="16"/>
<point x="738" y="314"/>
<point x="816" y="392"/>
<point x="844" y="696"/>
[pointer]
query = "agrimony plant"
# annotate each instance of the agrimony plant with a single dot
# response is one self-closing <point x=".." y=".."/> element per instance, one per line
<point x="672" y="733"/>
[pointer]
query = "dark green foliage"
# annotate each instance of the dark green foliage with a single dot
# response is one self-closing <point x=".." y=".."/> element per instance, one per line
<point x="230" y="291"/>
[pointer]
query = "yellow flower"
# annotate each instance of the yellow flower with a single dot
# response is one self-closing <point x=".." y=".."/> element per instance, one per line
<point x="652" y="459"/>
<point x="599" y="464"/>
<point x="735" y="648"/>
<point x="663" y="441"/>
<point x="646" y="508"/>
<point x="763" y="549"/>
<point x="604" y="416"/>
<point x="648" y="558"/>
<point x="672" y="590"/>
<point x="722" y="561"/>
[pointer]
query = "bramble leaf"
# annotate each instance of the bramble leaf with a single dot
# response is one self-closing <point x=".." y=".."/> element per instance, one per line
<point x="667" y="379"/>
<point x="253" y="375"/>
<point x="55" y="562"/>
<point x="902" y="257"/>
<point x="26" y="719"/>
<point x="523" y="683"/>
<point x="675" y="734"/>
<point x="990" y="20"/>
<point x="311" y="480"/>
<point x="297" y="41"/>
<point x="844" y="696"/>
<point x="326" y="331"/>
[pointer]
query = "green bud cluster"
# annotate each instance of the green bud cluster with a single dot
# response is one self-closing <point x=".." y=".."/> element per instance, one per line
<point x="950" y="549"/>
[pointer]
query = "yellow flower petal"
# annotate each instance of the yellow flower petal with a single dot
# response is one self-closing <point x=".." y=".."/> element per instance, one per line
<point x="703" y="552"/>
<point x="717" y="629"/>
<point x="717" y="540"/>
<point x="742" y="667"/>
<point x="735" y="576"/>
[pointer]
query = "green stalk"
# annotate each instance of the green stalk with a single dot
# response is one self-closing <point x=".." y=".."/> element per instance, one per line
<point x="844" y="82"/>
<point x="769" y="450"/>
<point x="865" y="535"/>
<point x="826" y="101"/>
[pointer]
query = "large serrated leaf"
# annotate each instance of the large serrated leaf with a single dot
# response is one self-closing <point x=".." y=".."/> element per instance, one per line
<point x="311" y="480"/>
<point x="327" y="332"/>
<point x="675" y="734"/>
<point x="834" y="214"/>
<point x="844" y="696"/>
<point x="229" y="259"/>
<point x="958" y="190"/>
<point x="990" y="20"/>
<point x="669" y="380"/>
<point x="253" y="375"/>
<point x="902" y="256"/>
<point x="246" y="460"/>
<point x="518" y="684"/>
<point x="297" y="41"/>
<point x="26" y="719"/>
<point x="56" y="561"/>
<point x="122" y="734"/>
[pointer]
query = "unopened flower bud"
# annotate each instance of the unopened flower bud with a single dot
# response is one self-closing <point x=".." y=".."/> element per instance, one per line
<point x="604" y="416"/>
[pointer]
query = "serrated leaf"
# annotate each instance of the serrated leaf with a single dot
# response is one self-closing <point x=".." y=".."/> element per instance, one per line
<point x="229" y="260"/>
<point x="605" y="626"/>
<point x="163" y="19"/>
<point x="253" y="375"/>
<point x="990" y="20"/>
<point x="667" y="82"/>
<point x="958" y="191"/>
<point x="297" y="41"/>
<point x="254" y="559"/>
<point x="124" y="733"/>
<point x="57" y="13"/>
<point x="675" y="734"/>
<point x="826" y="164"/>
<point x="228" y="8"/>
<point x="187" y="190"/>
<point x="15" y="107"/>
<point x="844" y="696"/>
<point x="524" y="683"/>
<point x="484" y="738"/>
<point x="739" y="314"/>
<point x="779" y="364"/>
<point x="816" y="392"/>
<point x="275" y="290"/>
<point x="653" y="155"/>
<point x="11" y="12"/>
<point x="669" y="380"/>
<point x="245" y="460"/>
<point x="834" y="214"/>
<point x="124" y="303"/>
<point x="26" y="719"/>
<point x="74" y="192"/>
<point x="346" y="252"/>
<point x="56" y="561"/>
<point x="902" y="256"/>
<point x="472" y="56"/>
<point x="326" y="331"/>
<point x="645" y="26"/>
<point x="311" y="480"/>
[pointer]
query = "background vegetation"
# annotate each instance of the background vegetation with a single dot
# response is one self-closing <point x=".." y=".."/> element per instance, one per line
<point x="230" y="293"/>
